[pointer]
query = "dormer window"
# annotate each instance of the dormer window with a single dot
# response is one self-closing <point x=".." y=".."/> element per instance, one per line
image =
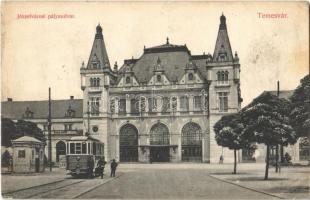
<point x="222" y="57"/>
<point x="158" y="78"/>
<point x="95" y="65"/>
<point x="127" y="80"/>
<point x="70" y="112"/>
<point x="28" y="113"/>
<point x="190" y="77"/>
<point x="95" y="62"/>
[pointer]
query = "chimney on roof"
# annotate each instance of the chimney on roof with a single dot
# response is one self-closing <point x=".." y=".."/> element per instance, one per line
<point x="71" y="97"/>
<point x="10" y="99"/>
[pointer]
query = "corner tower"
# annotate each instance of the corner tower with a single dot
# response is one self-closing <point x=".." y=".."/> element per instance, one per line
<point x="95" y="82"/>
<point x="224" y="88"/>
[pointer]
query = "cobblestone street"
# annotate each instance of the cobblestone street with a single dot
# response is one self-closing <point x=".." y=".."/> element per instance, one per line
<point x="165" y="181"/>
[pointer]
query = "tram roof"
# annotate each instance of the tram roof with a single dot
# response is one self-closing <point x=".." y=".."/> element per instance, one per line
<point x="83" y="138"/>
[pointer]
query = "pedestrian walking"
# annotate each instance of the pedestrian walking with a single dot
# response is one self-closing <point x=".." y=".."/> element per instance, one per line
<point x="221" y="159"/>
<point x="100" y="165"/>
<point x="113" y="167"/>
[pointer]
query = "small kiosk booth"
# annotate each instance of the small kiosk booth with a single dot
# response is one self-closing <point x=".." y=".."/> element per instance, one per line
<point x="28" y="155"/>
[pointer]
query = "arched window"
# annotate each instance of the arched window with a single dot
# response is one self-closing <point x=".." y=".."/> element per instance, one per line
<point x="191" y="142"/>
<point x="226" y="76"/>
<point x="128" y="143"/>
<point x="158" y="78"/>
<point x="91" y="80"/>
<point x="60" y="149"/>
<point x="97" y="82"/>
<point x="127" y="80"/>
<point x="222" y="77"/>
<point x="159" y="134"/>
<point x="218" y="76"/>
<point x="190" y="76"/>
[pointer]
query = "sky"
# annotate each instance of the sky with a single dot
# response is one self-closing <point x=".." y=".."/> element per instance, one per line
<point x="41" y="53"/>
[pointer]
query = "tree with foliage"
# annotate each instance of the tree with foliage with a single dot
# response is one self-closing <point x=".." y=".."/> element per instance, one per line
<point x="229" y="133"/>
<point x="11" y="131"/>
<point x="30" y="129"/>
<point x="300" y="108"/>
<point x="266" y="122"/>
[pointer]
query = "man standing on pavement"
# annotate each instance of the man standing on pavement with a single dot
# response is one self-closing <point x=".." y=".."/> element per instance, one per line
<point x="100" y="165"/>
<point x="113" y="168"/>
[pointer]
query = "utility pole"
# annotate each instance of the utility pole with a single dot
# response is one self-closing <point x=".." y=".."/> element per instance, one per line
<point x="277" y="147"/>
<point x="49" y="129"/>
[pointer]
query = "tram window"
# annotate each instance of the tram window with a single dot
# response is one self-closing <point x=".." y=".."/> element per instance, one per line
<point x="78" y="148"/>
<point x="83" y="148"/>
<point x="72" y="148"/>
<point x="94" y="148"/>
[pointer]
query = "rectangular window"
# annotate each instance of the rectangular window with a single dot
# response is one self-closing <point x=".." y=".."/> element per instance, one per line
<point x="223" y="101"/>
<point x="68" y="127"/>
<point x="94" y="105"/>
<point x="152" y="104"/>
<point x="166" y="104"/>
<point x="134" y="106"/>
<point x="94" y="149"/>
<point x="21" y="153"/>
<point x="72" y="148"/>
<point x="184" y="103"/>
<point x="197" y="103"/>
<point x="122" y="106"/>
<point x="78" y="149"/>
<point x="84" y="148"/>
<point x="88" y="146"/>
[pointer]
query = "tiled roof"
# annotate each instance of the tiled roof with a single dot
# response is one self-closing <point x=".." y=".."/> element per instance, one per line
<point x="222" y="42"/>
<point x="174" y="59"/>
<point x="16" y="109"/>
<point x="98" y="52"/>
<point x="27" y="139"/>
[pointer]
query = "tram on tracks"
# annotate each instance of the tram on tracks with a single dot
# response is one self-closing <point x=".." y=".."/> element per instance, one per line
<point x="81" y="151"/>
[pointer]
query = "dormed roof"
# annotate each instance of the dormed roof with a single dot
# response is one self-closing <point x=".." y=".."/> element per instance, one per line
<point x="173" y="60"/>
<point x="16" y="109"/>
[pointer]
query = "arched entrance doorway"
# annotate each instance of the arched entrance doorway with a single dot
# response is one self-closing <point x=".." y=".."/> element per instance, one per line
<point x="128" y="143"/>
<point x="60" y="149"/>
<point x="159" y="143"/>
<point x="191" y="142"/>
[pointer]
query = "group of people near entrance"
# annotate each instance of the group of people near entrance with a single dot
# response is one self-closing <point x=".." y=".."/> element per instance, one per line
<point x="99" y="170"/>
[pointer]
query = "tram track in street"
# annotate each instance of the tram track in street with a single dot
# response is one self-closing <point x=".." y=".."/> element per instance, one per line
<point x="31" y="192"/>
<point x="64" y="189"/>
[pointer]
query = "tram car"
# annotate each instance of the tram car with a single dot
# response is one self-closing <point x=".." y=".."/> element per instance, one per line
<point x="81" y="151"/>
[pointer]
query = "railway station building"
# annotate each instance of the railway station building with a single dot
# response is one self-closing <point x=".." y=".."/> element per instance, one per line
<point x="160" y="107"/>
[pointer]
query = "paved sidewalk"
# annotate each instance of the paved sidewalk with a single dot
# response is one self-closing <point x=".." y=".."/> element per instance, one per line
<point x="12" y="182"/>
<point x="291" y="183"/>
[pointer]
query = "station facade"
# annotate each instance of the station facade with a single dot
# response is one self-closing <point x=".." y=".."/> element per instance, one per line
<point x="162" y="106"/>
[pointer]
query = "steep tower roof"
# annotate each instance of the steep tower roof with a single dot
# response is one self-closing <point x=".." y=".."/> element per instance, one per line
<point x="98" y="57"/>
<point x="222" y="51"/>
